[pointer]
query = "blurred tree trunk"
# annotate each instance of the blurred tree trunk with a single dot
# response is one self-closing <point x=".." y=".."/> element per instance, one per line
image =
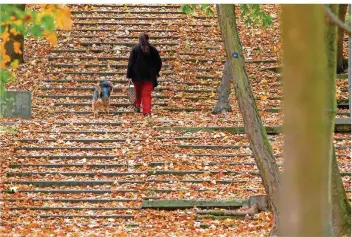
<point x="18" y="38"/>
<point x="305" y="195"/>
<point x="342" y="63"/>
<point x="341" y="209"/>
<point x="223" y="105"/>
<point x="254" y="128"/>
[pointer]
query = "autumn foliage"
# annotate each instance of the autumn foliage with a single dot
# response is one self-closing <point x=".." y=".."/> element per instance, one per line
<point x="16" y="22"/>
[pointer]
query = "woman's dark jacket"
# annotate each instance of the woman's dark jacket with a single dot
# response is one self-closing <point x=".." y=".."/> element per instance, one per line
<point x="144" y="67"/>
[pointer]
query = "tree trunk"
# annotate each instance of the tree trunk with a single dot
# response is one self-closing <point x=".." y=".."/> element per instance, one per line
<point x="223" y="105"/>
<point x="254" y="128"/>
<point x="18" y="38"/>
<point x="342" y="64"/>
<point x="341" y="209"/>
<point x="305" y="194"/>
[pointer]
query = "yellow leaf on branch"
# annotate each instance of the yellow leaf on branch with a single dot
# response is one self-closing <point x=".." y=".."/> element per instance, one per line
<point x="14" y="64"/>
<point x="17" y="47"/>
<point x="63" y="18"/>
<point x="5" y="59"/>
<point x="14" y="32"/>
<point x="51" y="37"/>
<point x="18" y="22"/>
<point x="5" y="36"/>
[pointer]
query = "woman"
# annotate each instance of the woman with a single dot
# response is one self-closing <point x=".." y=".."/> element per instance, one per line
<point x="144" y="65"/>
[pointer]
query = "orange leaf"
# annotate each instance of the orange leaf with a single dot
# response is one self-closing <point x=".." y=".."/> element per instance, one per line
<point x="51" y="36"/>
<point x="14" y="31"/>
<point x="17" y="47"/>
<point x="5" y="36"/>
<point x="63" y="19"/>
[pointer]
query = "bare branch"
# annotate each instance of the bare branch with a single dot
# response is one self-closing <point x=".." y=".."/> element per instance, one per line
<point x="337" y="21"/>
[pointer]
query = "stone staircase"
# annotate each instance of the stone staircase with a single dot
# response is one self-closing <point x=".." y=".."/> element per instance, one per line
<point x="67" y="164"/>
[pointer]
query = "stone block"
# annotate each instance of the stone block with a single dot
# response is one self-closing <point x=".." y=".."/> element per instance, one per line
<point x="16" y="104"/>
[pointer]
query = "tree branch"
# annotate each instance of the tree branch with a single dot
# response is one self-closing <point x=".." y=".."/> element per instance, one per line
<point x="337" y="21"/>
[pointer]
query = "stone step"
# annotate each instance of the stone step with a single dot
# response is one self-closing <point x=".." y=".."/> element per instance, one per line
<point x="129" y="12"/>
<point x="196" y="90"/>
<point x="278" y="69"/>
<point x="161" y="110"/>
<point x="130" y="30"/>
<point x="129" y="44"/>
<point x="111" y="104"/>
<point x="127" y="6"/>
<point x="204" y="146"/>
<point x="54" y="157"/>
<point x="90" y="96"/>
<point x="177" y="137"/>
<point x="97" y="73"/>
<point x="117" y="66"/>
<point x="215" y="60"/>
<point x="119" y="174"/>
<point x="103" y="191"/>
<point x="69" y="200"/>
<point x="182" y="204"/>
<point x="121" y="81"/>
<point x="342" y="76"/>
<point x="43" y="183"/>
<point x="200" y="218"/>
<point x="278" y="110"/>
<point x="78" y="140"/>
<point x="88" y="224"/>
<point x="109" y="157"/>
<point x="98" y="51"/>
<point x="342" y="174"/>
<point x="64" y="148"/>
<point x="76" y="191"/>
<point x="343" y="105"/>
<point x="122" y="37"/>
<point x="79" y="123"/>
<point x="126" y="217"/>
<point x="100" y="58"/>
<point x="119" y="165"/>
<point x="88" y="132"/>
<point x="121" y="23"/>
<point x="113" y="174"/>
<point x="340" y="104"/>
<point x="238" y="130"/>
<point x="116" y="89"/>
<point x="183" y="109"/>
<point x="91" y="123"/>
<point x="74" y="165"/>
<point x="90" y="112"/>
<point x="124" y="18"/>
<point x="201" y="60"/>
<point x="74" y="208"/>
<point x="341" y="126"/>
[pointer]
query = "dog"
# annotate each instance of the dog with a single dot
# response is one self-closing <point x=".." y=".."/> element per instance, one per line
<point x="101" y="97"/>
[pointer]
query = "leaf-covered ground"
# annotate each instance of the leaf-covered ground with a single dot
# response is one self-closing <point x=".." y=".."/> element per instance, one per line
<point x="123" y="158"/>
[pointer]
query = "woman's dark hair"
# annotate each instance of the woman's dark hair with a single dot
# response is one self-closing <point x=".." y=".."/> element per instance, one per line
<point x="144" y="42"/>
